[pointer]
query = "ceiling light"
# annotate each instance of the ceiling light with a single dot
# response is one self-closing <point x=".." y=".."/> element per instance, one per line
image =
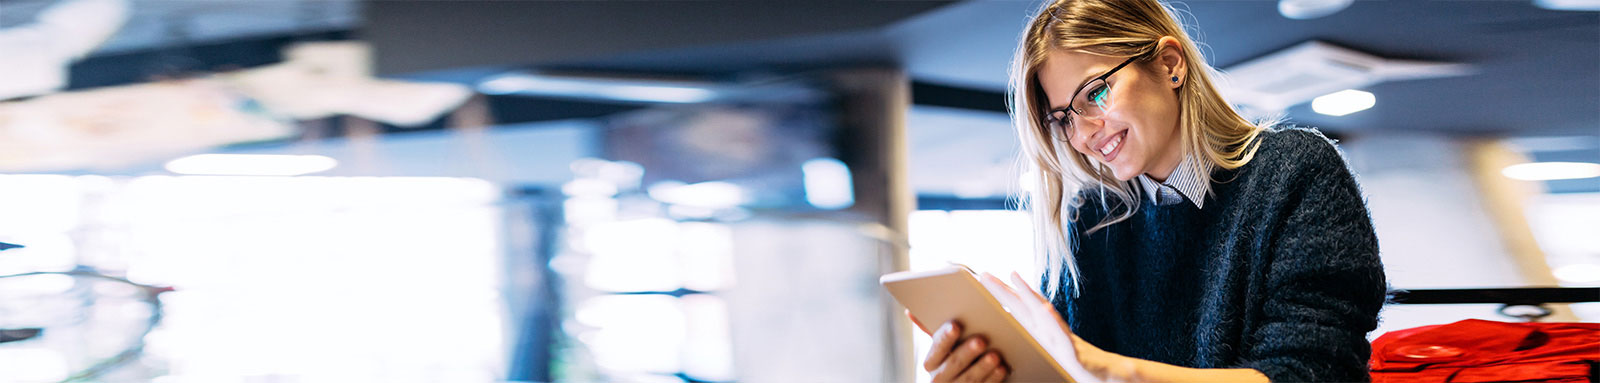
<point x="1311" y="9"/>
<point x="1568" y="5"/>
<point x="1579" y="273"/>
<point x="251" y="164"/>
<point x="598" y="88"/>
<point x="1545" y="171"/>
<point x="1343" y="102"/>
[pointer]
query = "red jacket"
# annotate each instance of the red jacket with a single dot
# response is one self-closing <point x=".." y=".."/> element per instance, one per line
<point x="1485" y="351"/>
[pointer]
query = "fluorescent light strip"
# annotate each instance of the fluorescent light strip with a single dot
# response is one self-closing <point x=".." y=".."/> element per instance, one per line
<point x="1578" y="273"/>
<point x="1343" y="102"/>
<point x="1546" y="171"/>
<point x="609" y="89"/>
<point x="251" y="164"/>
<point x="1568" y="5"/>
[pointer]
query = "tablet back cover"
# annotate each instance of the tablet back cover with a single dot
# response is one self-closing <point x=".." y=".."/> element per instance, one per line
<point x="953" y="293"/>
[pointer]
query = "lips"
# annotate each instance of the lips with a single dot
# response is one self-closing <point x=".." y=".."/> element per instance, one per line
<point x="1112" y="146"/>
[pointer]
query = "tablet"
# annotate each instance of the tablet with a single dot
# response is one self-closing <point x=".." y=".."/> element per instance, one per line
<point x="954" y="293"/>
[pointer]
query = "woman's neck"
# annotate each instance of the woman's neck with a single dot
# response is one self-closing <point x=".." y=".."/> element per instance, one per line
<point x="1165" y="166"/>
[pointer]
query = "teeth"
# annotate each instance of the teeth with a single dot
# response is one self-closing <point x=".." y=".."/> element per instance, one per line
<point x="1111" y="145"/>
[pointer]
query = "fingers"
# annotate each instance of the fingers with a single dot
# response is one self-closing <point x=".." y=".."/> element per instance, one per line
<point x="982" y="369"/>
<point x="999" y="290"/>
<point x="1032" y="296"/>
<point x="998" y="375"/>
<point x="1033" y="293"/>
<point x="960" y="358"/>
<point x="919" y="324"/>
<point x="943" y="341"/>
<point x="1010" y="299"/>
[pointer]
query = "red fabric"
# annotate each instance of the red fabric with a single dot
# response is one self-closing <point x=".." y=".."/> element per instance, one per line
<point x="1476" y="351"/>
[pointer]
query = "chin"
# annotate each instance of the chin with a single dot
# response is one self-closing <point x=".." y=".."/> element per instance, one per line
<point x="1123" y="175"/>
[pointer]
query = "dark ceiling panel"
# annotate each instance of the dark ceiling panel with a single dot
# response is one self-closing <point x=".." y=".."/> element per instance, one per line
<point x="416" y="36"/>
<point x="1538" y="70"/>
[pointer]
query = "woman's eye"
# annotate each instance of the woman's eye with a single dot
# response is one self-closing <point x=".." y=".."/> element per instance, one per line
<point x="1098" y="94"/>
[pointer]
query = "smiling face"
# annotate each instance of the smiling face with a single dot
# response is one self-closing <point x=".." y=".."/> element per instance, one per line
<point x="1139" y="132"/>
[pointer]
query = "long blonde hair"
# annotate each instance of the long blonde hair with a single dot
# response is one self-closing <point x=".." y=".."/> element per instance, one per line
<point x="1054" y="175"/>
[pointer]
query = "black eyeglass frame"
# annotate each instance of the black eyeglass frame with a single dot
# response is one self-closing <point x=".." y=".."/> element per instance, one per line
<point x="1049" y="117"/>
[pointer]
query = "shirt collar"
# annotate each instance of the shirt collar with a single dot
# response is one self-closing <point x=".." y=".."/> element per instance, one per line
<point x="1183" y="180"/>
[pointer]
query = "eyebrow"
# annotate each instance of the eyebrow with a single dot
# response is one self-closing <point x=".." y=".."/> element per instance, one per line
<point x="1075" y="90"/>
<point x="1087" y="80"/>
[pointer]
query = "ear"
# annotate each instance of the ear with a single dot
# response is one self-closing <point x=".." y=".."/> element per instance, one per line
<point x="1169" y="61"/>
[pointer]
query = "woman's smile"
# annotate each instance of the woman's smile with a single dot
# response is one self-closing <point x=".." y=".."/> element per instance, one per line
<point x="1111" y="146"/>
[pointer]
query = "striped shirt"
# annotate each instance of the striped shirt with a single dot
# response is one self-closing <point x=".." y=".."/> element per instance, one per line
<point x="1183" y="182"/>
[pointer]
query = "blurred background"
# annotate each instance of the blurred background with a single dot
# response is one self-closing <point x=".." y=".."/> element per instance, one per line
<point x="662" y="191"/>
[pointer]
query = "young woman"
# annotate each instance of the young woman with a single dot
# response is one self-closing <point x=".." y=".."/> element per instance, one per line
<point x="1181" y="242"/>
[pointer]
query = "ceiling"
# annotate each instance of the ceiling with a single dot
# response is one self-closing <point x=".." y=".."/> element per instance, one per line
<point x="1538" y="71"/>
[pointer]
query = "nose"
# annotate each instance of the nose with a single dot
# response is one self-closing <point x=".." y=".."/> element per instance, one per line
<point x="1086" y="131"/>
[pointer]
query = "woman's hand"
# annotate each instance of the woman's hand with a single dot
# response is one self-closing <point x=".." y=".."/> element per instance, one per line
<point x="969" y="361"/>
<point x="1084" y="361"/>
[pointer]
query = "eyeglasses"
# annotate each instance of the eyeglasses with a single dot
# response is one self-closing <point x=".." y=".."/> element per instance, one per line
<point x="1090" y="101"/>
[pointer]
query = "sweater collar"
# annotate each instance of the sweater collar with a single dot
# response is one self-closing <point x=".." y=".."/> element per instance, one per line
<point x="1184" y="180"/>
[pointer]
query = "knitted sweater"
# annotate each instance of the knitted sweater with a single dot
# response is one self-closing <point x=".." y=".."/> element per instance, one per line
<point x="1279" y="273"/>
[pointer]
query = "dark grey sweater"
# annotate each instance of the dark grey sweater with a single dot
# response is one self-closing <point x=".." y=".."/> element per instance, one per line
<point x="1279" y="273"/>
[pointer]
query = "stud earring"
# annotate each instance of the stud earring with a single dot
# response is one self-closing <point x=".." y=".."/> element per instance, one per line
<point x="1174" y="78"/>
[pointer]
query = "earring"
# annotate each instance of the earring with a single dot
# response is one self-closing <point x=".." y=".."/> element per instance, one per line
<point x="1174" y="78"/>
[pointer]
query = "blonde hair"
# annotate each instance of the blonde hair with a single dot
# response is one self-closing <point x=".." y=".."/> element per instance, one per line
<point x="1054" y="175"/>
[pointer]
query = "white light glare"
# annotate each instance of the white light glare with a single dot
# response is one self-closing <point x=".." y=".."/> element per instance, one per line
<point x="1343" y="102"/>
<point x="1545" y="171"/>
<point x="1568" y="5"/>
<point x="1579" y="273"/>
<point x="1311" y="9"/>
<point x="251" y="164"/>
<point x="713" y="194"/>
<point x="827" y="183"/>
<point x="610" y="89"/>
<point x="588" y="187"/>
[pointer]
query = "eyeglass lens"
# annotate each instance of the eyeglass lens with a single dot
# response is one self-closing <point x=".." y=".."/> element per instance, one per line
<point x="1093" y="99"/>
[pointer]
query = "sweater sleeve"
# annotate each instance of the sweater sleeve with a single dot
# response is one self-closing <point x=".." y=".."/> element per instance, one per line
<point x="1324" y="281"/>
